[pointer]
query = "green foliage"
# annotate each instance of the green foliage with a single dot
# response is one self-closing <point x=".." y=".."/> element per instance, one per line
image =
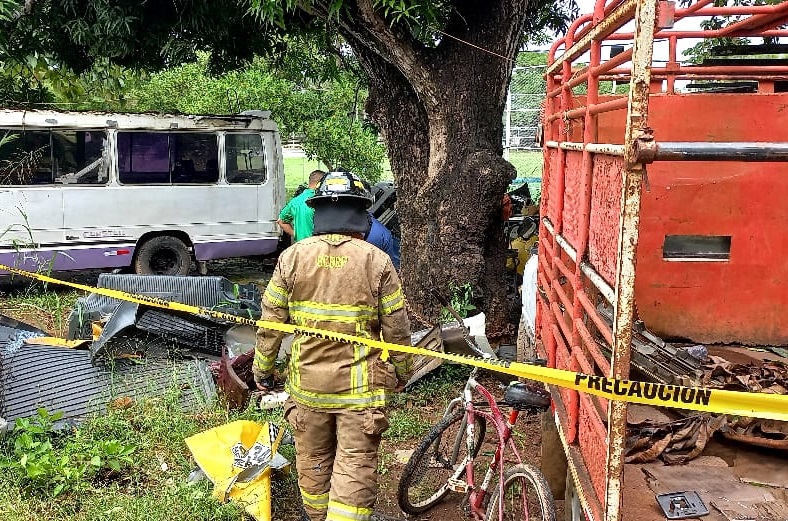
<point x="406" y="424"/>
<point x="326" y="116"/>
<point x="461" y="300"/>
<point x="46" y="462"/>
<point x="145" y="441"/>
<point x="704" y="48"/>
<point x="435" y="390"/>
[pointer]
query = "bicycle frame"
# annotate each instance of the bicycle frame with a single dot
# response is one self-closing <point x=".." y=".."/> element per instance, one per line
<point x="503" y="427"/>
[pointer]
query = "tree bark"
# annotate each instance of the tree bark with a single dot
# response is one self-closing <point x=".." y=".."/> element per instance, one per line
<point x="440" y="112"/>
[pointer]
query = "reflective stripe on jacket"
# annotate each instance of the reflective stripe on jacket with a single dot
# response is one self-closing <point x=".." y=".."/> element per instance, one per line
<point x="342" y="284"/>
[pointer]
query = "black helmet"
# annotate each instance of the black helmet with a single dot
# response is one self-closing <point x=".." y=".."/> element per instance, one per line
<point x="341" y="187"/>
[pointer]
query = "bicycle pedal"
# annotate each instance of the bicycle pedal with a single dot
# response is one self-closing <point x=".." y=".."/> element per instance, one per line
<point x="458" y="485"/>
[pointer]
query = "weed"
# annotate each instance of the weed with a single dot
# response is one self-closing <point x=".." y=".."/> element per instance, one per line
<point x="437" y="388"/>
<point x="47" y="308"/>
<point x="461" y="300"/>
<point x="406" y="424"/>
<point x="385" y="459"/>
<point x="45" y="461"/>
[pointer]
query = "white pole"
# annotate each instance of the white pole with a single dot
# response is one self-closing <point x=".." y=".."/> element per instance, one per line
<point x="508" y="122"/>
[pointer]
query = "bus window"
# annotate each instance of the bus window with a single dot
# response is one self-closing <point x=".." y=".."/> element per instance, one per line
<point x="159" y="158"/>
<point x="25" y="158"/>
<point x="79" y="157"/>
<point x="194" y="158"/>
<point x="245" y="158"/>
<point x="143" y="158"/>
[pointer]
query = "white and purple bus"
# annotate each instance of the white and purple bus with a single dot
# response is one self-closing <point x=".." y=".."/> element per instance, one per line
<point x="147" y="192"/>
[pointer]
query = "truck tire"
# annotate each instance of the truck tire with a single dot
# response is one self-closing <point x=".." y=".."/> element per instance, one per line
<point x="163" y="255"/>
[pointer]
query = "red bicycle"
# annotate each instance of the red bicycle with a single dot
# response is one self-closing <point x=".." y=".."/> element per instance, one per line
<point x="445" y="459"/>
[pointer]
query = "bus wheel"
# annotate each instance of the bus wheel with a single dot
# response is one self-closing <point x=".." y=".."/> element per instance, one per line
<point x="163" y="255"/>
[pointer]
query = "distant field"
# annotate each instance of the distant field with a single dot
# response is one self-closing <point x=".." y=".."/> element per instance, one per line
<point x="297" y="169"/>
<point x="528" y="164"/>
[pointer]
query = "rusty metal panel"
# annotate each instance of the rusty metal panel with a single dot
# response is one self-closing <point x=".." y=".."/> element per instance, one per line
<point x="605" y="211"/>
<point x="717" y="302"/>
<point x="568" y="396"/>
<point x="592" y="433"/>
<point x="573" y="193"/>
<point x="552" y="196"/>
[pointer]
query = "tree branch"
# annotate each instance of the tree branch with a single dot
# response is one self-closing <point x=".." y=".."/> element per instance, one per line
<point x="394" y="45"/>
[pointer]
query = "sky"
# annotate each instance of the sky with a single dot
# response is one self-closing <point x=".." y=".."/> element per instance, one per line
<point x="660" y="48"/>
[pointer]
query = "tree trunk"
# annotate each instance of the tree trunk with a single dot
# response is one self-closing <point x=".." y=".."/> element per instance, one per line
<point x="441" y="117"/>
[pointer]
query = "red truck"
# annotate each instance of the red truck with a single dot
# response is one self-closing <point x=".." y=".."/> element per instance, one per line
<point x="662" y="246"/>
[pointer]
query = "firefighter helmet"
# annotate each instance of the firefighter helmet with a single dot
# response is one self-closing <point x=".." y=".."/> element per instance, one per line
<point x="341" y="187"/>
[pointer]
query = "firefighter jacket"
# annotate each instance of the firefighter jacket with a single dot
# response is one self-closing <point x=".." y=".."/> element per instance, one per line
<point x="336" y="283"/>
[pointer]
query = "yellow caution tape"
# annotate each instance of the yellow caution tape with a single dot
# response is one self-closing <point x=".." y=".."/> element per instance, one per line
<point x="56" y="341"/>
<point x="720" y="401"/>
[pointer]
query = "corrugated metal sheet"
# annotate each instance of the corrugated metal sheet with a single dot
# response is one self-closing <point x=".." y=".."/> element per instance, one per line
<point x="61" y="379"/>
<point x="211" y="292"/>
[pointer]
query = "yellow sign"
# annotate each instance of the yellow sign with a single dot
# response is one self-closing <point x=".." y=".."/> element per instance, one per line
<point x="720" y="401"/>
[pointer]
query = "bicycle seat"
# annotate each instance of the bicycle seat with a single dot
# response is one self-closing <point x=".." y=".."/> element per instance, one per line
<point x="522" y="397"/>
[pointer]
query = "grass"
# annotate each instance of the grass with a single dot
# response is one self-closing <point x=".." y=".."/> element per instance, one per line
<point x="297" y="170"/>
<point x="155" y="486"/>
<point x="45" y="307"/>
<point x="528" y="165"/>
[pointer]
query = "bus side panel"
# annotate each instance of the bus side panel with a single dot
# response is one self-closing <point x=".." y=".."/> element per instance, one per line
<point x="30" y="215"/>
<point x="214" y="214"/>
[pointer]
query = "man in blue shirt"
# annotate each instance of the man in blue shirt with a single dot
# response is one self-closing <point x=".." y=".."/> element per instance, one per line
<point x="381" y="237"/>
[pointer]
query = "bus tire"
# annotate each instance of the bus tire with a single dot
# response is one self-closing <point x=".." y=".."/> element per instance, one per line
<point x="163" y="255"/>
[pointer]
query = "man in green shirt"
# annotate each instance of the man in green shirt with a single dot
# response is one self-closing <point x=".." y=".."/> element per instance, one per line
<point x="296" y="218"/>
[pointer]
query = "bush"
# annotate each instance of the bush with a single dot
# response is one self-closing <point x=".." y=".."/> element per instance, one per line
<point x="43" y="461"/>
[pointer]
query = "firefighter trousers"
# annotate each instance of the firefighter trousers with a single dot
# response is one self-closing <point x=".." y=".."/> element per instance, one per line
<point x="337" y="459"/>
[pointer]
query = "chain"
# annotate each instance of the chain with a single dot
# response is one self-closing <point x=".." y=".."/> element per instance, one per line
<point x="421" y="318"/>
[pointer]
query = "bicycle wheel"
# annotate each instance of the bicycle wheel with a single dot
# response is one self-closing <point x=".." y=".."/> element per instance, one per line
<point x="526" y="495"/>
<point x="424" y="481"/>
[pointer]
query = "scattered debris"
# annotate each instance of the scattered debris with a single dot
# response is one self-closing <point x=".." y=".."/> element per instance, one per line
<point x="238" y="458"/>
<point x="673" y="442"/>
<point x="133" y="351"/>
<point x="67" y="380"/>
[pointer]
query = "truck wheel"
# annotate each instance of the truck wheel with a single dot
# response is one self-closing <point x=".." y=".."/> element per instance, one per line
<point x="573" y="510"/>
<point x="163" y="255"/>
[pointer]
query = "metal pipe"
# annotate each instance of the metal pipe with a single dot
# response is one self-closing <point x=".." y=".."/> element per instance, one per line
<point x="605" y="148"/>
<point x="596" y="279"/>
<point x="560" y="240"/>
<point x="610" y="149"/>
<point x="566" y="247"/>
<point x="629" y="223"/>
<point x="620" y="16"/>
<point x="588" y="270"/>
<point x="704" y="151"/>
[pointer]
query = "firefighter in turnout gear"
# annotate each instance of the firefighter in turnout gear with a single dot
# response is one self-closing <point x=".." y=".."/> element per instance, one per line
<point x="336" y="281"/>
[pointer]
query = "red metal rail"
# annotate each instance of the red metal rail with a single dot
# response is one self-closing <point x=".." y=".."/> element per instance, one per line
<point x="591" y="203"/>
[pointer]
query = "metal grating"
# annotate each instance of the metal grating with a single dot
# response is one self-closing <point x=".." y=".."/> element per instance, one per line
<point x="61" y="379"/>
